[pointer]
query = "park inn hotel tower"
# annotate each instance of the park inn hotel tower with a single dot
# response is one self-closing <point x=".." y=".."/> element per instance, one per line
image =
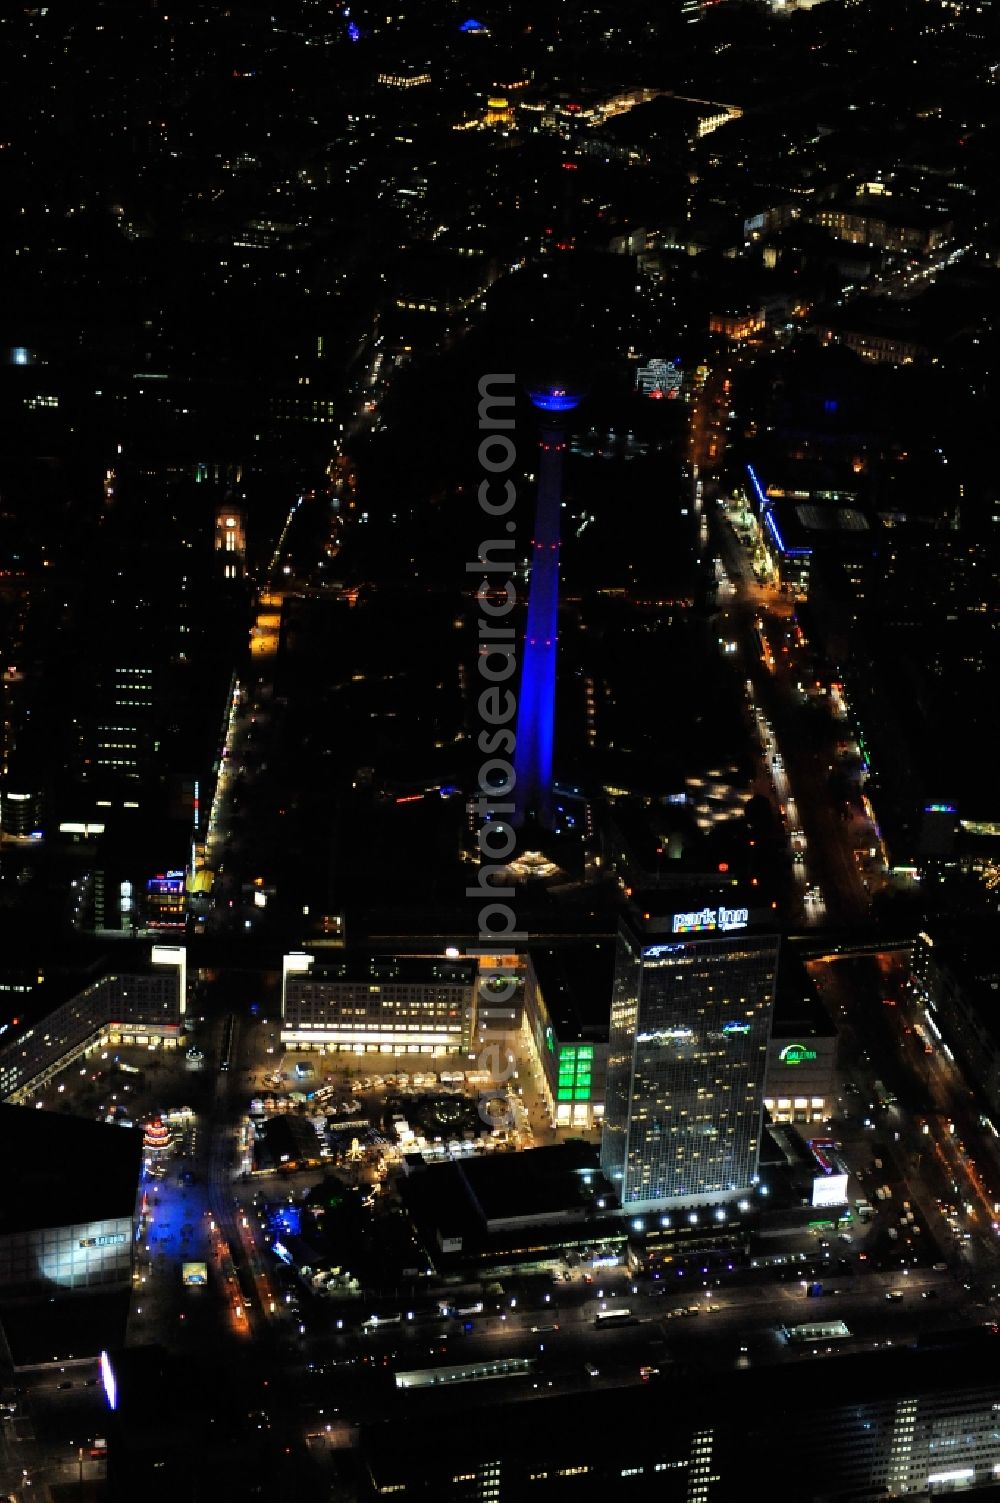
<point x="690" y="1023"/>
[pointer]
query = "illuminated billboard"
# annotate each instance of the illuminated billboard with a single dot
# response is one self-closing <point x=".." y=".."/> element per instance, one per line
<point x="109" y="1382"/>
<point x="659" y="379"/>
<point x="707" y="919"/>
<point x="830" y="1190"/>
<point x="166" y="900"/>
<point x="797" y="1054"/>
<point x="194" y="1274"/>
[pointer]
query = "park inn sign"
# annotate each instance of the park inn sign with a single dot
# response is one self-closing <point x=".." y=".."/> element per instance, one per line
<point x="710" y="918"/>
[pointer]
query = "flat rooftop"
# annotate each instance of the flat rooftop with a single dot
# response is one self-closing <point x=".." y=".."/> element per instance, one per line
<point x="798" y="1008"/>
<point x="417" y="970"/>
<point x="538" y="1182"/>
<point x="786" y="1417"/>
<point x="975" y="965"/>
<point x="816" y="477"/>
<point x="796" y="525"/>
<point x="60" y="1170"/>
<point x="475" y="1198"/>
<point x="575" y="981"/>
<point x="40" y="1331"/>
<point x="888" y="210"/>
<point x="653" y="910"/>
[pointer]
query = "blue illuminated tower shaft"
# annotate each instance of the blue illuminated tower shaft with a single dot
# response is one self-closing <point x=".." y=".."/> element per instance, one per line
<point x="537" y="704"/>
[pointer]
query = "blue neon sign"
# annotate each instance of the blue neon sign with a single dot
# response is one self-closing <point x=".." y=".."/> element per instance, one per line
<point x="761" y="497"/>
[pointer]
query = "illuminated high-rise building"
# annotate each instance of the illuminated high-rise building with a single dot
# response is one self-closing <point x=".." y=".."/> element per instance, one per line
<point x="690" y="1022"/>
<point x="124" y="733"/>
<point x="231" y="540"/>
<point x="537" y="703"/>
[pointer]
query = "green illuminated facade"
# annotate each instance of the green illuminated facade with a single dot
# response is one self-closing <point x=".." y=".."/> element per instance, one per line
<point x="576" y="1068"/>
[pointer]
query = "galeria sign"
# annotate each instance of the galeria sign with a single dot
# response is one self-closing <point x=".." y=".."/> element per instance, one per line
<point x="796" y="1054"/>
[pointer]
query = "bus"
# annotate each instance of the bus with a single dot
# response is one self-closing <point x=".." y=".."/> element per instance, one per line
<point x="884" y="1096"/>
<point x="839" y="1223"/>
<point x="763" y="645"/>
<point x="820" y="1330"/>
<point x="226" y="1054"/>
<point x="376" y="1322"/>
<point x="614" y="1318"/>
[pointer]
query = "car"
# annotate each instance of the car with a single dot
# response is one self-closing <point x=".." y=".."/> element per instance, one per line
<point x="929" y="1294"/>
<point x="940" y="1267"/>
<point x="894" y="1294"/>
<point x="591" y="1370"/>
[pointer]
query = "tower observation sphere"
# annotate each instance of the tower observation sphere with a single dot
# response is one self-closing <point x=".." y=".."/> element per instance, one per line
<point x="554" y="398"/>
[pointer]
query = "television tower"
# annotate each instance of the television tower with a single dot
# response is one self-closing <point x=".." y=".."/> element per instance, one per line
<point x="537" y="704"/>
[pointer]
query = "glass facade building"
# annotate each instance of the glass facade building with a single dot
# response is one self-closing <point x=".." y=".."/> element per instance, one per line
<point x="690" y="1023"/>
